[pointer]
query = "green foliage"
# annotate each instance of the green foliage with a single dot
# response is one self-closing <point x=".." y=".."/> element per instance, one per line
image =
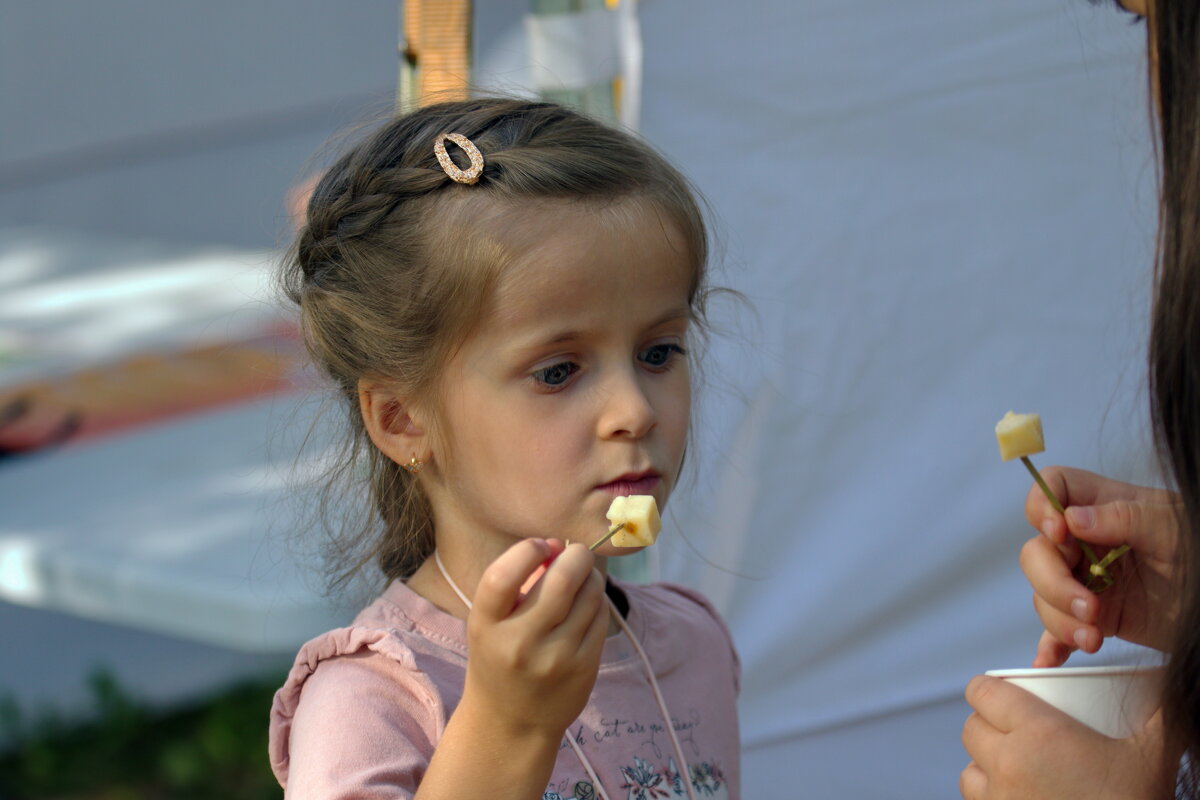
<point x="127" y="752"/>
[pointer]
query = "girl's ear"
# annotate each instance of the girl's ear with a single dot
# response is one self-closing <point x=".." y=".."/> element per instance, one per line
<point x="390" y="423"/>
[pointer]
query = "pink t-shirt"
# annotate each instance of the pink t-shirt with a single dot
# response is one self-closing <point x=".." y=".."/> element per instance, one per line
<point x="364" y="706"/>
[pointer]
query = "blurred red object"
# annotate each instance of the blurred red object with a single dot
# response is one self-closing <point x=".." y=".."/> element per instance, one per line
<point x="147" y="388"/>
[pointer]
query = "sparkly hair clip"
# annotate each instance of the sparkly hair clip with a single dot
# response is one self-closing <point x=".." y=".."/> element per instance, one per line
<point x="470" y="174"/>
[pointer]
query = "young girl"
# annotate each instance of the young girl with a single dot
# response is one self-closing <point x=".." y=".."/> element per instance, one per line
<point x="504" y="293"/>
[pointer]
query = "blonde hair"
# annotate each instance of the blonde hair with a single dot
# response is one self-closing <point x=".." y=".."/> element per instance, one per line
<point x="389" y="276"/>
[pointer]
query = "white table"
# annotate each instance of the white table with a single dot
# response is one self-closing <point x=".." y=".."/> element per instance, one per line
<point x="184" y="528"/>
<point x="154" y="551"/>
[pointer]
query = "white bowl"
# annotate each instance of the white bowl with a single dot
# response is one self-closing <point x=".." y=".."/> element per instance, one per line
<point x="1116" y="701"/>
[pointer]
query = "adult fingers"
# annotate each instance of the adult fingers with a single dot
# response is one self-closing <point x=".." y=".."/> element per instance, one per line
<point x="1040" y="512"/>
<point x="1051" y="652"/>
<point x="1068" y="611"/>
<point x="1066" y="628"/>
<point x="972" y="782"/>
<point x="982" y="742"/>
<point x="1071" y="487"/>
<point x="1003" y="705"/>
<point x="1146" y="527"/>
<point x="499" y="588"/>
<point x="979" y="737"/>
<point x="1079" y="487"/>
<point x="1051" y="576"/>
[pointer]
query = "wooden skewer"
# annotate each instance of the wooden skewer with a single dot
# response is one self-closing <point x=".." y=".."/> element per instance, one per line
<point x="1037" y="476"/>
<point x="606" y="536"/>
<point x="1098" y="567"/>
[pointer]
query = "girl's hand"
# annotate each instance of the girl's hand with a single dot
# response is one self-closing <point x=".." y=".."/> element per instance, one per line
<point x="1024" y="748"/>
<point x="1140" y="607"/>
<point x="533" y="658"/>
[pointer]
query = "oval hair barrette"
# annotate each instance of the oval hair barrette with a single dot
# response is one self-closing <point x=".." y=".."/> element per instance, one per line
<point x="469" y="175"/>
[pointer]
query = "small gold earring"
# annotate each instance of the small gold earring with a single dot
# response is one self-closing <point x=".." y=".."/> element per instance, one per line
<point x="414" y="466"/>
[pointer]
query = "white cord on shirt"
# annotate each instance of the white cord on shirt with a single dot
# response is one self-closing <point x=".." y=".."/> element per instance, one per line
<point x="685" y="772"/>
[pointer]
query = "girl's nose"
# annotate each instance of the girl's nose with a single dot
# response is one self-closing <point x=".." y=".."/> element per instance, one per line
<point x="626" y="411"/>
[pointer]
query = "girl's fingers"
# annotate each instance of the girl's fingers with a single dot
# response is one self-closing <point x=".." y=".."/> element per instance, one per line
<point x="500" y="586"/>
<point x="556" y="547"/>
<point x="589" y="601"/>
<point x="550" y="601"/>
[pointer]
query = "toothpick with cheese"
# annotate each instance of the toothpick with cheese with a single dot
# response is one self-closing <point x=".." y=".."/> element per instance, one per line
<point x="1020" y="436"/>
<point x="635" y="521"/>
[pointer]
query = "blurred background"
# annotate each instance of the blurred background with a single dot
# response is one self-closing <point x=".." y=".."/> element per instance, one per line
<point x="936" y="211"/>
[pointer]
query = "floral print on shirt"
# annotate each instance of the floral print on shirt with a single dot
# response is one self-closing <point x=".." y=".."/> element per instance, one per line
<point x="644" y="781"/>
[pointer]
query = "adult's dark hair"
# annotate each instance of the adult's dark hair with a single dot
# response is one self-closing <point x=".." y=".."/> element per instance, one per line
<point x="1175" y="341"/>
<point x="1174" y="354"/>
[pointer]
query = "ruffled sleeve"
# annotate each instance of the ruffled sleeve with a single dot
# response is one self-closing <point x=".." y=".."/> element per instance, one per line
<point x="356" y="717"/>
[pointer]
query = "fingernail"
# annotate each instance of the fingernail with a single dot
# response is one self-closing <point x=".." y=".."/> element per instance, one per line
<point x="1047" y="526"/>
<point x="1081" y="517"/>
<point x="1081" y="638"/>
<point x="1079" y="608"/>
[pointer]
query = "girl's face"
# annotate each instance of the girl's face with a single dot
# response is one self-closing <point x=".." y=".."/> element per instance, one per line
<point x="575" y="386"/>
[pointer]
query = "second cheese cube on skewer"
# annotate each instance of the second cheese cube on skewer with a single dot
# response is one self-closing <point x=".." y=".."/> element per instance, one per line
<point x="1019" y="435"/>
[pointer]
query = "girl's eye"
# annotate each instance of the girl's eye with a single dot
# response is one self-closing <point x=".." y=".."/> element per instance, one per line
<point x="556" y="374"/>
<point x="660" y="354"/>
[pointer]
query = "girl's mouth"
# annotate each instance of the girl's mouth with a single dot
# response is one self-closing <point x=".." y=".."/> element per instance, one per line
<point x="632" y="484"/>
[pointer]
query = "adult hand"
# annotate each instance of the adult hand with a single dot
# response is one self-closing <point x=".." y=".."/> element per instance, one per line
<point x="1024" y="748"/>
<point x="534" y="657"/>
<point x="1141" y="606"/>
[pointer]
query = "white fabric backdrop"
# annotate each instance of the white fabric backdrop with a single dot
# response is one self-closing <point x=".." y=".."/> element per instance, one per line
<point x="939" y="211"/>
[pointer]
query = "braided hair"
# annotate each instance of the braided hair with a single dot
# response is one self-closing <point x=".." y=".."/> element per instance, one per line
<point x="392" y="267"/>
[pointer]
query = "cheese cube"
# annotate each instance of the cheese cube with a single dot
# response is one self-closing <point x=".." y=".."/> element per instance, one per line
<point x="639" y="512"/>
<point x="1019" y="435"/>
